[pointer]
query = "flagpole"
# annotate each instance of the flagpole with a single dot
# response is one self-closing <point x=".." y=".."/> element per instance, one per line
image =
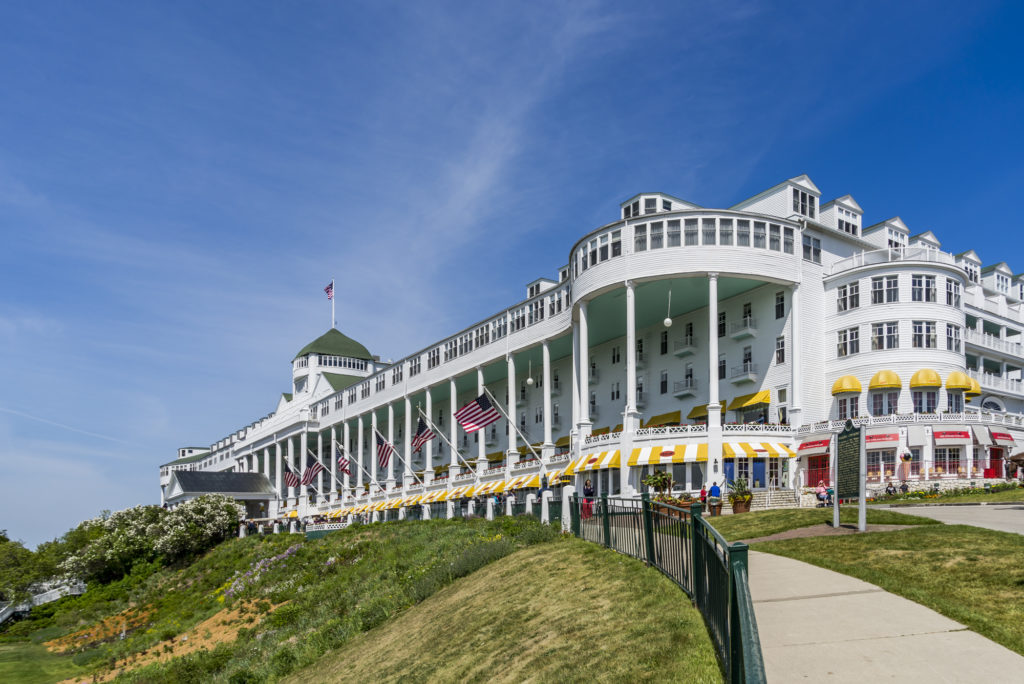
<point x="393" y="449"/>
<point x="334" y="296"/>
<point x="515" y="427"/>
<point x="440" y="434"/>
<point x="351" y="460"/>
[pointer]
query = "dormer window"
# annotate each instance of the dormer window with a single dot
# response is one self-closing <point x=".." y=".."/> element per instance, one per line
<point x="631" y="210"/>
<point x="847" y="221"/>
<point x="804" y="203"/>
<point x="973" y="274"/>
<point x="1002" y="283"/>
<point x="897" y="239"/>
<point x="650" y="205"/>
<point x="533" y="291"/>
<point x="666" y="205"/>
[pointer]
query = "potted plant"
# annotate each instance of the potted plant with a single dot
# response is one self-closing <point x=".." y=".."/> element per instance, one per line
<point x="740" y="496"/>
<point x="660" y="480"/>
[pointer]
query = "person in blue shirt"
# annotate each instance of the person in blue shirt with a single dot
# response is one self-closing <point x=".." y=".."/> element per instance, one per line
<point x="715" y="493"/>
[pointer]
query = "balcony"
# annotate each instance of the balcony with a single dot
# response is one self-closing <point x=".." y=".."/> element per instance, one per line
<point x="746" y="372"/>
<point x="994" y="343"/>
<point x="684" y="346"/>
<point x="684" y="388"/>
<point x="882" y="256"/>
<point x="745" y="328"/>
<point x="971" y="415"/>
<point x="998" y="382"/>
<point x="641" y="398"/>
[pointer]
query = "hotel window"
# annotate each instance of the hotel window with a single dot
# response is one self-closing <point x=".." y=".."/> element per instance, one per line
<point x="748" y="358"/>
<point x="666" y="205"/>
<point x="663" y="347"/>
<point x="616" y="243"/>
<point x="616" y="394"/>
<point x="748" y="314"/>
<point x="1002" y="283"/>
<point x="780" y="350"/>
<point x="947" y="460"/>
<point x="922" y="288"/>
<point x="742" y="233"/>
<point x="351" y="395"/>
<point x="593" y="404"/>
<point x="602" y="252"/>
<point x="897" y="240"/>
<point x="787" y="240"/>
<point x="848" y="297"/>
<point x="721" y="367"/>
<point x="364" y="390"/>
<point x="396" y="374"/>
<point x="688" y="375"/>
<point x="688" y="333"/>
<point x="924" y="335"/>
<point x="338" y="402"/>
<point x="804" y="203"/>
<point x="554" y="412"/>
<point x="663" y="382"/>
<point x="433" y="358"/>
<point x="672" y="235"/>
<point x="759" y="232"/>
<point x="593" y="252"/>
<point x="952" y="293"/>
<point x="972" y="272"/>
<point x="847" y="227"/>
<point x="848" y="342"/>
<point x="956" y="402"/>
<point x="650" y="205"/>
<point x="848" y="407"/>
<point x="616" y="354"/>
<point x="780" y="305"/>
<point x="414" y="367"/>
<point x="812" y="249"/>
<point x="379" y="383"/>
<point x="721" y="324"/>
<point x="522" y="421"/>
<point x="885" y="335"/>
<point x="538" y="415"/>
<point x="884" y="403"/>
<point x="656" y="235"/>
<point x="775" y="237"/>
<point x="877" y="290"/>
<point x="925" y="401"/>
<point x="690" y="232"/>
<point x="892" y="289"/>
<point x="952" y="337"/>
<point x="483" y="333"/>
<point x="635" y="206"/>
<point x="725" y="231"/>
<point x="314" y="411"/>
<point x="639" y="238"/>
<point x="709" y="231"/>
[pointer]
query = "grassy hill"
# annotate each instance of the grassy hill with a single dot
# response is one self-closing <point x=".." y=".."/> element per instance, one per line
<point x="258" y="609"/>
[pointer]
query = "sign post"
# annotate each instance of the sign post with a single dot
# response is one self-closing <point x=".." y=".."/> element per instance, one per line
<point x="851" y="473"/>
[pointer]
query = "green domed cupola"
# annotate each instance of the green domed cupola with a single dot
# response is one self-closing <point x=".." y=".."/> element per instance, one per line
<point x="335" y="343"/>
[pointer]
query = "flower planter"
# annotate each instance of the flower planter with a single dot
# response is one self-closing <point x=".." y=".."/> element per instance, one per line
<point x="741" y="506"/>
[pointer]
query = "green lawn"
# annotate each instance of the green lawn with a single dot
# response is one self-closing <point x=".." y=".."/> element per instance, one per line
<point x="971" y="575"/>
<point x="764" y="523"/>
<point x="979" y="497"/>
<point x="28" y="663"/>
<point x="561" y="612"/>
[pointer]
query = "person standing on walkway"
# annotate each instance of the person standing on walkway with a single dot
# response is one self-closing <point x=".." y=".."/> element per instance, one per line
<point x="588" y="495"/>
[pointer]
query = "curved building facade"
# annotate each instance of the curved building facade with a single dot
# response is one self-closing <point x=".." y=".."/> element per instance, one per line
<point x="713" y="343"/>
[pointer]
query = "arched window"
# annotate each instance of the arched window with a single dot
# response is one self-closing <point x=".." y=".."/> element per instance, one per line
<point x="992" y="404"/>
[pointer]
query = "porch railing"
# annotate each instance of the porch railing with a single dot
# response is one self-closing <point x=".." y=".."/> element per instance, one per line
<point x="683" y="546"/>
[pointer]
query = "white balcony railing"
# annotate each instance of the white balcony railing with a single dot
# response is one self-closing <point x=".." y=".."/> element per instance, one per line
<point x="882" y="256"/>
<point x="992" y="342"/>
<point x="998" y="382"/>
<point x="672" y="431"/>
<point x="968" y="416"/>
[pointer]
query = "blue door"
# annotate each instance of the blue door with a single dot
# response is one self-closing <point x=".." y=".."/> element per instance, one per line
<point x="758" y="479"/>
<point x="729" y="467"/>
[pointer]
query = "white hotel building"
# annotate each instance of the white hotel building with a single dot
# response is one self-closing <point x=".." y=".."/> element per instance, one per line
<point x="717" y="343"/>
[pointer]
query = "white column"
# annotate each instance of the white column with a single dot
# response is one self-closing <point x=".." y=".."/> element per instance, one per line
<point x="266" y="462"/>
<point x="332" y="454"/>
<point x="511" y="408"/>
<point x="359" y="454"/>
<point x="631" y="416"/>
<point x="793" y="349"/>
<point x="278" y="474"/>
<point x="548" y="444"/>
<point x="301" y="460"/>
<point x="575" y="385"/>
<point x="407" y="443"/>
<point x="291" y="463"/>
<point x="346" y="434"/>
<point x="391" y="441"/>
<point x="481" y="439"/>
<point x="428" y="448"/>
<point x="320" y="459"/>
<point x="453" y="430"/>
<point x="373" y="452"/>
<point x="584" y="374"/>
<point x="714" y="471"/>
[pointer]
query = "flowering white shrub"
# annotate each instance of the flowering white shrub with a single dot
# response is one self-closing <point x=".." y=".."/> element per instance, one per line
<point x="197" y="526"/>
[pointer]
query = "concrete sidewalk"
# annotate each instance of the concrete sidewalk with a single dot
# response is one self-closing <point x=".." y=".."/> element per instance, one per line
<point x="819" y="625"/>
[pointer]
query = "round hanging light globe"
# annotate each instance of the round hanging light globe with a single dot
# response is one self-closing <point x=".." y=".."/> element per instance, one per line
<point x="529" y="381"/>
<point x="668" y="322"/>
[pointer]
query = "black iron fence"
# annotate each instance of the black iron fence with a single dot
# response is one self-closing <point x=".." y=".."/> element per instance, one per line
<point x="688" y="550"/>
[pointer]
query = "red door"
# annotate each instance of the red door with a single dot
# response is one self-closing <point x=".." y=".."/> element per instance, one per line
<point x="817" y="469"/>
<point x="994" y="467"/>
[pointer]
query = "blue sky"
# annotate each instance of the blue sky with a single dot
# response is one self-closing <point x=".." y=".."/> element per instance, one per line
<point x="178" y="181"/>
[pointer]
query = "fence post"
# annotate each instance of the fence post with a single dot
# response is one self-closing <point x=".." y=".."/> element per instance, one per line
<point x="648" y="517"/>
<point x="574" y="513"/>
<point x="605" y="521"/>
<point x="696" y="567"/>
<point x="737" y="560"/>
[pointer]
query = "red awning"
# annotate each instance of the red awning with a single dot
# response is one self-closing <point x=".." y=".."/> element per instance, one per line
<point x="1003" y="438"/>
<point x="813" y="447"/>
<point x="952" y="435"/>
<point x="882" y="438"/>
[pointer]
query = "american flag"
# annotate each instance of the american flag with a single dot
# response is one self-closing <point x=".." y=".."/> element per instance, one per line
<point x="330" y="290"/>
<point x="384" y="451"/>
<point x="313" y="468"/>
<point x="423" y="435"/>
<point x="477" y="414"/>
<point x="342" y="461"/>
<point x="291" y="479"/>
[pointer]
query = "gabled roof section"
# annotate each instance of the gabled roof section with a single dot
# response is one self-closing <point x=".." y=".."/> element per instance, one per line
<point x="665" y="195"/>
<point x="199" y="482"/>
<point x="339" y="382"/>
<point x="804" y="181"/>
<point x="287" y="396"/>
<point x="895" y="222"/>
<point x="927" y="236"/>
<point x="335" y="343"/>
<point x="969" y="255"/>
<point x="187" y="459"/>
<point x="846" y="201"/>
<point x="1001" y="267"/>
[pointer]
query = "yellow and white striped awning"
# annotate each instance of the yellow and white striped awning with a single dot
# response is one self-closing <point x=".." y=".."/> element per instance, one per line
<point x="435" y="496"/>
<point x="678" y="453"/>
<point x="413" y="500"/>
<point x="517" y="482"/>
<point x="460" y="492"/>
<point x="491" y="487"/>
<point x="600" y="460"/>
<point x="756" y="450"/>
<point x="554" y="477"/>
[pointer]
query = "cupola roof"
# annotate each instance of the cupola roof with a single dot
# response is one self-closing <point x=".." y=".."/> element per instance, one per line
<point x="335" y="343"/>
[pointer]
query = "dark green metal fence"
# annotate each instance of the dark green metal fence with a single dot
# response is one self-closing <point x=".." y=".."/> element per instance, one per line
<point x="555" y="509"/>
<point x="519" y="508"/>
<point x="688" y="550"/>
